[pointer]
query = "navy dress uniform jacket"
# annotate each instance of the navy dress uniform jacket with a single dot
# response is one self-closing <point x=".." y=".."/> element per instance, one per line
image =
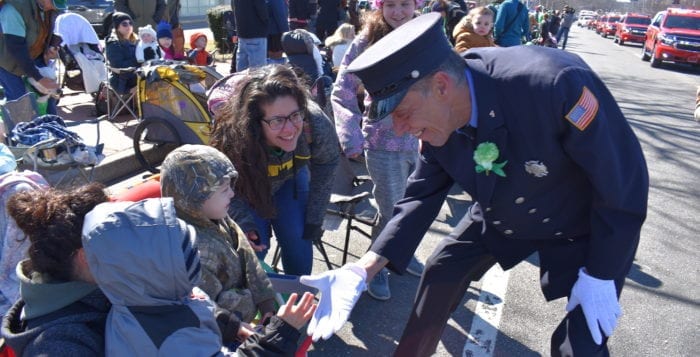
<point x="575" y="193"/>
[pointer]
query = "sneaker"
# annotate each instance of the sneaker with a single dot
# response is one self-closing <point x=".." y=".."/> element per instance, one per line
<point x="379" y="286"/>
<point x="415" y="267"/>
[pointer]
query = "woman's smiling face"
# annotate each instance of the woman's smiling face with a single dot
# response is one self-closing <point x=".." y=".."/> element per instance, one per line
<point x="286" y="137"/>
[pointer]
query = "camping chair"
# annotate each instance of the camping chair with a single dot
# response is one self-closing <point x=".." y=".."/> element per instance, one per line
<point x="342" y="206"/>
<point x="111" y="102"/>
<point x="52" y="154"/>
<point x="344" y="202"/>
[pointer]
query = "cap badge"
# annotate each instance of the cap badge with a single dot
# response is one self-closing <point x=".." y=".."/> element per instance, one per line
<point x="536" y="168"/>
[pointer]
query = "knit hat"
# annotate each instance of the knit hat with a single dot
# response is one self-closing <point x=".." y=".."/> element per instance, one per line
<point x="192" y="173"/>
<point x="164" y="30"/>
<point x="147" y="30"/>
<point x="119" y="17"/>
<point x="194" y="37"/>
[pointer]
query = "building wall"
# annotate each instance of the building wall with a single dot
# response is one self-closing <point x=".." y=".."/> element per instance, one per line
<point x="191" y="8"/>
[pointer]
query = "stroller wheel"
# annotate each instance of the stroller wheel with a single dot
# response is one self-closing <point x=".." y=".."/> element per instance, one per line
<point x="154" y="138"/>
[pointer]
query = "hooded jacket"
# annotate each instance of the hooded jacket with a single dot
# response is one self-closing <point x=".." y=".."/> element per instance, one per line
<point x="196" y="56"/>
<point x="52" y="317"/>
<point x="465" y="37"/>
<point x="231" y="273"/>
<point x="147" y="263"/>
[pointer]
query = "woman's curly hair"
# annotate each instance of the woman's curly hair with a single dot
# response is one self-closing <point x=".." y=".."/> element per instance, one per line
<point x="238" y="133"/>
<point x="53" y="221"/>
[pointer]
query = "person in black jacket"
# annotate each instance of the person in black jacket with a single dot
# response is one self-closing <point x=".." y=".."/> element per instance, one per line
<point x="251" y="26"/>
<point x="299" y="14"/>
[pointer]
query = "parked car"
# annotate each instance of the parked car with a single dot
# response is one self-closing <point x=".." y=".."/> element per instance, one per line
<point x="584" y="20"/>
<point x="608" y="26"/>
<point x="593" y="23"/>
<point x="97" y="12"/>
<point x="631" y="28"/>
<point x="674" y="36"/>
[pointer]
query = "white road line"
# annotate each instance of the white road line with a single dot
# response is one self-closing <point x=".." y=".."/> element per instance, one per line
<point x="481" y="340"/>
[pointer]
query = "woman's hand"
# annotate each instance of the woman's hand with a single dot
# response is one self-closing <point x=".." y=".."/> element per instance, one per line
<point x="254" y="241"/>
<point x="300" y="313"/>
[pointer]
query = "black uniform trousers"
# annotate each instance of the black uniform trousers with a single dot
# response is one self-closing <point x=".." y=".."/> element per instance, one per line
<point x="459" y="260"/>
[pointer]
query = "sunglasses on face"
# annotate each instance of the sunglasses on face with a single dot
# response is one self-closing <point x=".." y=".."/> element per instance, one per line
<point x="126" y="23"/>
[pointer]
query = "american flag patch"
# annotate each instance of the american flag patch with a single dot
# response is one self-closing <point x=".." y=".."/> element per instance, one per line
<point x="584" y="111"/>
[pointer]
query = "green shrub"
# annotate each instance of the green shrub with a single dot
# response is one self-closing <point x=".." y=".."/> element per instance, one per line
<point x="215" y="16"/>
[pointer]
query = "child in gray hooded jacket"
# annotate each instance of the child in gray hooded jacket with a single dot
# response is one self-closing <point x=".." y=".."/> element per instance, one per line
<point x="146" y="261"/>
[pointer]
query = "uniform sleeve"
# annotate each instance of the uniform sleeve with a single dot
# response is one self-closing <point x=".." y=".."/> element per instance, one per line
<point x="596" y="135"/>
<point x="346" y="109"/>
<point x="426" y="191"/>
<point x="325" y="155"/>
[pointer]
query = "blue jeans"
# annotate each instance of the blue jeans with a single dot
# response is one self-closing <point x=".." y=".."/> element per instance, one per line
<point x="13" y="85"/>
<point x="252" y="52"/>
<point x="563" y="31"/>
<point x="389" y="171"/>
<point x="288" y="224"/>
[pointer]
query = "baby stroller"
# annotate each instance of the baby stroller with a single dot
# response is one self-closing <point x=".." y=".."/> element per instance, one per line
<point x="172" y="104"/>
<point x="85" y="65"/>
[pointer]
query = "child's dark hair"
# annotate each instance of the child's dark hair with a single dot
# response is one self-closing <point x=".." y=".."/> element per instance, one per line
<point x="53" y="222"/>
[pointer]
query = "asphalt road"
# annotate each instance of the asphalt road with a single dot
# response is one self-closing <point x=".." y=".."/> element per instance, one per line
<point x="660" y="300"/>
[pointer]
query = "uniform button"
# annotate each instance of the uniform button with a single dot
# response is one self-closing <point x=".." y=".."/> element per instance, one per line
<point x="519" y="200"/>
<point x="488" y="209"/>
<point x="545" y="220"/>
<point x="532" y="210"/>
<point x="495" y="223"/>
<point x="508" y="232"/>
<point x="558" y="233"/>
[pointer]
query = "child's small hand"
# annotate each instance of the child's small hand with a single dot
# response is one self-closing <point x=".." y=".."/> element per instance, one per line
<point x="298" y="315"/>
<point x="246" y="330"/>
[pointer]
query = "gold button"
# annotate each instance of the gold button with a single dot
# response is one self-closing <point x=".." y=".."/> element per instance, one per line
<point x="519" y="200"/>
<point x="545" y="220"/>
<point x="508" y="232"/>
<point x="532" y="210"/>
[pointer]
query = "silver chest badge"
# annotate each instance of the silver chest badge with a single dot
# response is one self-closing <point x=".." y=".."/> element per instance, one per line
<point x="536" y="168"/>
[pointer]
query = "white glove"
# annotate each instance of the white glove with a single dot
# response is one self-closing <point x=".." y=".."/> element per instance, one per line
<point x="340" y="289"/>
<point x="598" y="299"/>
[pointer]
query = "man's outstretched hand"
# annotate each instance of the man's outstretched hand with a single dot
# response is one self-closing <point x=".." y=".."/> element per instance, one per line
<point x="340" y="289"/>
<point x="598" y="299"/>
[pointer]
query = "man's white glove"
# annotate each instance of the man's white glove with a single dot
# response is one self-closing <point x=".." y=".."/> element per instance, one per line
<point x="340" y="289"/>
<point x="598" y="299"/>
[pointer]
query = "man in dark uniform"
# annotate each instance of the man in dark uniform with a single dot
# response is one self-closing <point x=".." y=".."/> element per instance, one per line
<point x="546" y="154"/>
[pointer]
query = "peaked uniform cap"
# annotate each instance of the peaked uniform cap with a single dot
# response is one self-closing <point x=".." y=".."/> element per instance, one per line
<point x="390" y="66"/>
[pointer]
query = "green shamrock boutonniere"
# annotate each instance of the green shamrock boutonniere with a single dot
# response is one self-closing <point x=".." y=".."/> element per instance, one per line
<point x="485" y="155"/>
